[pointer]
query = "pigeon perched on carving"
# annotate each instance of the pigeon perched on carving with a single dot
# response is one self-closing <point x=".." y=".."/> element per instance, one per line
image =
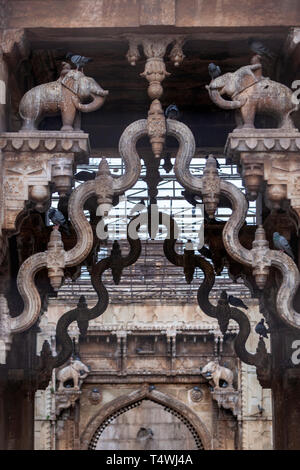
<point x="58" y="219"/>
<point x="260" y="49"/>
<point x="79" y="60"/>
<point x="190" y="197"/>
<point x="236" y="302"/>
<point x="85" y="175"/>
<point x="261" y="330"/>
<point x="172" y="112"/>
<point x="206" y="252"/>
<point x="281" y="243"/>
<point x="214" y="70"/>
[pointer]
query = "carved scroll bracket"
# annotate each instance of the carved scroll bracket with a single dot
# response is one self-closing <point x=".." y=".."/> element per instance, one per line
<point x="260" y="257"/>
<point x="104" y="186"/>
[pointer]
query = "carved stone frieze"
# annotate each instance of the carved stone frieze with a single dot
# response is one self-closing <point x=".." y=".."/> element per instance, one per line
<point x="47" y="141"/>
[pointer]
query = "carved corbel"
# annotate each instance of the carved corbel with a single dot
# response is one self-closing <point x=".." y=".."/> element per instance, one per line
<point x="270" y="155"/>
<point x="31" y="162"/>
<point x="228" y="399"/>
<point x="66" y="399"/>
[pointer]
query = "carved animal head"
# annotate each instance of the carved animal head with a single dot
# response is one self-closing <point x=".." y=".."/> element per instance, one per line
<point x="80" y="367"/>
<point x="84" y="88"/>
<point x="209" y="368"/>
<point x="231" y="84"/>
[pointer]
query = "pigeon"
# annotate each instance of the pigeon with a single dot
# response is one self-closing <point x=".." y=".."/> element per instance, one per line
<point x="85" y="175"/>
<point x="236" y="302"/>
<point x="58" y="219"/>
<point x="260" y="329"/>
<point x="167" y="166"/>
<point x="144" y="434"/>
<point x="206" y="252"/>
<point x="78" y="60"/>
<point x="172" y="112"/>
<point x="214" y="70"/>
<point x="281" y="243"/>
<point x="190" y="197"/>
<point x="260" y="49"/>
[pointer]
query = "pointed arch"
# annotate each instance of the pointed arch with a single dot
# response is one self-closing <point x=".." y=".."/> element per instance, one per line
<point x="123" y="401"/>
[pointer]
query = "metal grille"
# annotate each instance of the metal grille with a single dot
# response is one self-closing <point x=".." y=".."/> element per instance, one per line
<point x="152" y="278"/>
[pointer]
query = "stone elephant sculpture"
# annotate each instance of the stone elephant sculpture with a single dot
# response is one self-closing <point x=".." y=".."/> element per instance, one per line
<point x="252" y="93"/>
<point x="66" y="96"/>
<point x="77" y="371"/>
<point x="213" y="371"/>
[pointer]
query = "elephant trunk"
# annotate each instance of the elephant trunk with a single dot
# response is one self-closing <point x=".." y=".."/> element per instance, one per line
<point x="92" y="106"/>
<point x="224" y="104"/>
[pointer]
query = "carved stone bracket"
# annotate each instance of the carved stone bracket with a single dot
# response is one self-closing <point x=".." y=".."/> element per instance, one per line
<point x="66" y="399"/>
<point x="31" y="162"/>
<point x="271" y="156"/>
<point x="228" y="399"/>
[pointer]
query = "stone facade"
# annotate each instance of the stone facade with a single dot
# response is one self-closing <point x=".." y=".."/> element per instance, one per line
<point x="145" y="359"/>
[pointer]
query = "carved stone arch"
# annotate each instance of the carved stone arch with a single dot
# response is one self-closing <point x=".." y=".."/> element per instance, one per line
<point x="184" y="412"/>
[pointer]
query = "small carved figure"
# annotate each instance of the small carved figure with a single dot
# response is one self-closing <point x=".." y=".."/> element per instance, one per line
<point x="252" y="93"/>
<point x="215" y="372"/>
<point x="66" y="96"/>
<point x="76" y="371"/>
